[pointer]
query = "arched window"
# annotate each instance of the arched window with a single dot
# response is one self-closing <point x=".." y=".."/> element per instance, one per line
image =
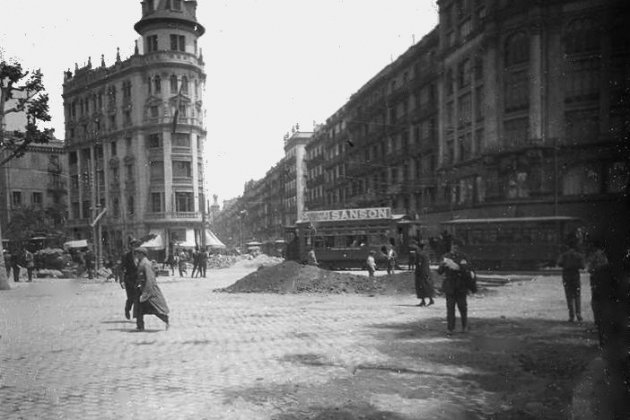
<point x="516" y="49"/>
<point x="185" y="85"/>
<point x="581" y="36"/>
<point x="173" y="81"/>
<point x="157" y="85"/>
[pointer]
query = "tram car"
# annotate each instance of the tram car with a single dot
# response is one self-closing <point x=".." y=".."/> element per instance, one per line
<point x="514" y="243"/>
<point x="342" y="239"/>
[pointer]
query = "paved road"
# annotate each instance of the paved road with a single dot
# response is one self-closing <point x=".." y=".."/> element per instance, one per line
<point x="66" y="352"/>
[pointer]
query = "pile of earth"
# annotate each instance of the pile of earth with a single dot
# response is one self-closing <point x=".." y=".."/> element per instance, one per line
<point x="291" y="277"/>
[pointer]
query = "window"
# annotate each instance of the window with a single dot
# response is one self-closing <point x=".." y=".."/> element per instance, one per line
<point x="127" y="117"/>
<point x="130" y="205"/>
<point x="73" y="158"/>
<point x="181" y="169"/>
<point x="113" y="148"/>
<point x="184" y="202"/>
<point x="37" y="199"/>
<point x="156" y="202"/>
<point x="128" y="144"/>
<point x="185" y="85"/>
<point x="516" y="131"/>
<point x="464" y="74"/>
<point x="150" y="5"/>
<point x="617" y="177"/>
<point x="85" y="209"/>
<point x="582" y="126"/>
<point x="16" y="199"/>
<point x="116" y="205"/>
<point x="173" y="82"/>
<point x="177" y="4"/>
<point x="465" y="109"/>
<point x="582" y="80"/>
<point x="581" y="36"/>
<point x="129" y="170"/>
<point x="178" y="42"/>
<point x="479" y="103"/>
<point x="181" y="140"/>
<point x="516" y="49"/>
<point x="154" y="111"/>
<point x="75" y="210"/>
<point x="449" y="82"/>
<point x="154" y="141"/>
<point x="479" y="67"/>
<point x="516" y="91"/>
<point x="157" y="170"/>
<point x="581" y="180"/>
<point x="126" y="90"/>
<point x="74" y="182"/>
<point x="152" y="43"/>
<point x="157" y="85"/>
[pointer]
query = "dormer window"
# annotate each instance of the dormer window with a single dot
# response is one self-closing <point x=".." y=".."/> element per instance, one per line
<point x="177" y="4"/>
<point x="150" y="6"/>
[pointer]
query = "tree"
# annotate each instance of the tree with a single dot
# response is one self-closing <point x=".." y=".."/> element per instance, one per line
<point x="21" y="92"/>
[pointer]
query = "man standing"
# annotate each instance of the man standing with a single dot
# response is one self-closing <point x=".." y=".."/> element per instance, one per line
<point x="195" y="261"/>
<point x="29" y="263"/>
<point x="150" y="298"/>
<point x="423" y="280"/>
<point x="311" y="258"/>
<point x="15" y="266"/>
<point x="572" y="262"/>
<point x="456" y="268"/>
<point x="89" y="262"/>
<point x="129" y="277"/>
<point x="203" y="262"/>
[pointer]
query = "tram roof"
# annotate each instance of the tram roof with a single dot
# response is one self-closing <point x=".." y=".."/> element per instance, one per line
<point x="511" y="219"/>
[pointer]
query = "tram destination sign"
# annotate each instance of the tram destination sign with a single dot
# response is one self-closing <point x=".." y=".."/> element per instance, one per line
<point x="348" y="214"/>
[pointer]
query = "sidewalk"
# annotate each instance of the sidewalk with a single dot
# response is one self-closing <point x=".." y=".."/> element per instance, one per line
<point x="66" y="351"/>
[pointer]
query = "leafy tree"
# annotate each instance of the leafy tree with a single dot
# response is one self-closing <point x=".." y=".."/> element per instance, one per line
<point x="21" y="92"/>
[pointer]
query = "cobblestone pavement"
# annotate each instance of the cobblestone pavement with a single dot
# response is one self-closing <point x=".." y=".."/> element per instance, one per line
<point x="66" y="352"/>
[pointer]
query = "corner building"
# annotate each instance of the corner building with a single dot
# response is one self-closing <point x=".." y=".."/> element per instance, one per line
<point x="135" y="134"/>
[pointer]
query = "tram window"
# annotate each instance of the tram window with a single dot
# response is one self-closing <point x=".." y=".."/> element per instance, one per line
<point x="319" y="242"/>
<point x="329" y="241"/>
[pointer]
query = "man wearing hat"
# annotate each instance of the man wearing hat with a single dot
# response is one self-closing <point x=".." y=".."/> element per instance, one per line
<point x="130" y="274"/>
<point x="150" y="297"/>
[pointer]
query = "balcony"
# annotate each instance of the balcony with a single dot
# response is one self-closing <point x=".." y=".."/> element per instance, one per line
<point x="173" y="215"/>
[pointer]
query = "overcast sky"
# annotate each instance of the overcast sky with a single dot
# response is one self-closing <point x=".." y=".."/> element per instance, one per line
<point x="270" y="63"/>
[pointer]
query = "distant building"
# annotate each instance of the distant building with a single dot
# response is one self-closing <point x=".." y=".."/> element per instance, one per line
<point x="135" y="134"/>
<point x="37" y="179"/>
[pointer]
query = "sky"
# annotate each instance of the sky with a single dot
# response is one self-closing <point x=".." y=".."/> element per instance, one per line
<point x="270" y="63"/>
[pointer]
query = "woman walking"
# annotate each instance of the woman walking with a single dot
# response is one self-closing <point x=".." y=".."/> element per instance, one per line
<point x="150" y="300"/>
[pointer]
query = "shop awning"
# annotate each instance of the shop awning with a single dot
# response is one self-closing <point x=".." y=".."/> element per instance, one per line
<point x="157" y="242"/>
<point x="80" y="243"/>
<point x="212" y="240"/>
<point x="190" y="240"/>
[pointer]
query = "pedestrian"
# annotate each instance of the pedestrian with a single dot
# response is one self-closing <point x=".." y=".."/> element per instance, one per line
<point x="423" y="280"/>
<point x="203" y="262"/>
<point x="7" y="261"/>
<point x="457" y="271"/>
<point x="572" y="262"/>
<point x="89" y="262"/>
<point x="195" y="260"/>
<point x="181" y="264"/>
<point x="129" y="277"/>
<point x="311" y="258"/>
<point x="29" y="263"/>
<point x="80" y="260"/>
<point x="602" y="287"/>
<point x="371" y="264"/>
<point x="15" y="266"/>
<point x="414" y="249"/>
<point x="170" y="261"/>
<point x="390" y="254"/>
<point x="150" y="298"/>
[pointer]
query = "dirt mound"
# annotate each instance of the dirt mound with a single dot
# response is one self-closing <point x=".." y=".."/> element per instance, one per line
<point x="291" y="277"/>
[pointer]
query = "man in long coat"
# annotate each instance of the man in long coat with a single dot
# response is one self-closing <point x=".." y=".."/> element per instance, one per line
<point x="150" y="300"/>
<point x="423" y="280"/>
<point x="129" y="276"/>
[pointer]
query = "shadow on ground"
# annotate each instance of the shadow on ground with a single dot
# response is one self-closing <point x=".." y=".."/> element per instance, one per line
<point x="518" y="368"/>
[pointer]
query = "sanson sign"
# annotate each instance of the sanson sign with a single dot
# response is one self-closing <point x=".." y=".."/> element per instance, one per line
<point x="348" y="214"/>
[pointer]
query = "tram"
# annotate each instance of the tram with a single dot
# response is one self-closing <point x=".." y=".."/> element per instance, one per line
<point x="513" y="242"/>
<point x="342" y="239"/>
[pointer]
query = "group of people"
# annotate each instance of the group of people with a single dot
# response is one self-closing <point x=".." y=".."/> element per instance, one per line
<point x="139" y="281"/>
<point x="15" y="261"/>
<point x="179" y="258"/>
